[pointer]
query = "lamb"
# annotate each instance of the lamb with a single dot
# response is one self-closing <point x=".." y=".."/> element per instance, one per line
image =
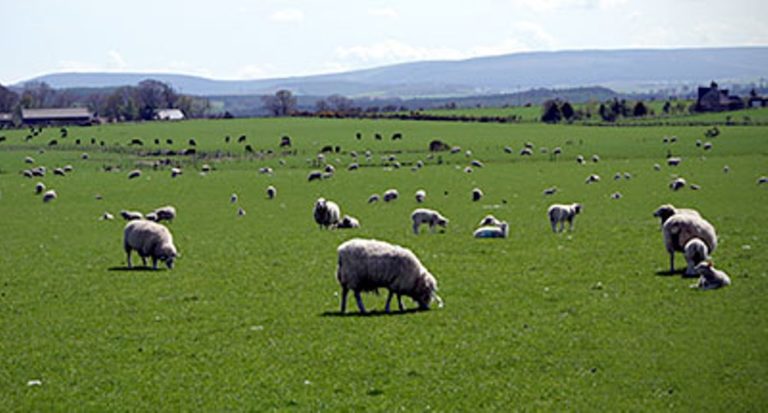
<point x="427" y="216"/>
<point x="367" y="265"/>
<point x="240" y="212"/>
<point x="490" y="221"/>
<point x="266" y="170"/>
<point x="710" y="277"/>
<point x="166" y="213"/>
<point x="348" y="222"/>
<point x="391" y="195"/>
<point x="477" y="194"/>
<point x="271" y="192"/>
<point x="39" y="188"/>
<point x="373" y="198"/>
<point x="656" y="167"/>
<point x="49" y="195"/>
<point x="708" y="146"/>
<point x="326" y="213"/>
<point x="131" y="215"/>
<point x="677" y="184"/>
<point x="501" y="231"/>
<point x="107" y="216"/>
<point x="29" y="160"/>
<point x="726" y="169"/>
<point x="594" y="178"/>
<point x="679" y="229"/>
<point x="175" y="172"/>
<point x="695" y="251"/>
<point x="59" y="172"/>
<point x="559" y="214"/>
<point x="664" y="212"/>
<point x="149" y="239"/>
<point x="134" y="174"/>
<point x="420" y="195"/>
<point x="557" y="151"/>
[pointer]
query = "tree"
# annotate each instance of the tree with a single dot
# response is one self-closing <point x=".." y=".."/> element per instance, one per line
<point x="8" y="99"/>
<point x="152" y="95"/>
<point x="282" y="103"/>
<point x="667" y="107"/>
<point x="339" y="104"/>
<point x="567" y="110"/>
<point x="551" y="112"/>
<point x="640" y="110"/>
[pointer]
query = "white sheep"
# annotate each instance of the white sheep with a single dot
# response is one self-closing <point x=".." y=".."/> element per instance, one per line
<point x="348" y="221"/>
<point x="489" y="221"/>
<point x="149" y="239"/>
<point x="726" y="169"/>
<point x="468" y="170"/>
<point x="656" y="167"/>
<point x="477" y="164"/>
<point x="681" y="228"/>
<point x="617" y="176"/>
<point x="560" y="214"/>
<point x="50" y="195"/>
<point x="134" y="174"/>
<point x="266" y="170"/>
<point x="326" y="213"/>
<point x="557" y="151"/>
<point x="694" y="187"/>
<point x="68" y="168"/>
<point x="427" y="216"/>
<point x="708" y="146"/>
<point x="374" y="198"/>
<point x="762" y="180"/>
<point x="674" y="161"/>
<point x="233" y="198"/>
<point x="353" y="166"/>
<point x="627" y="175"/>
<point x="500" y="231"/>
<point x="580" y="160"/>
<point x="29" y="160"/>
<point x="594" y="178"/>
<point x="664" y="212"/>
<point x="526" y="152"/>
<point x="166" y="213"/>
<point x="695" y="251"/>
<point x="240" y="212"/>
<point x="271" y="192"/>
<point x="508" y="149"/>
<point x="367" y="265"/>
<point x="205" y="168"/>
<point x="710" y="277"/>
<point x="59" y="172"/>
<point x="314" y="175"/>
<point x="677" y="184"/>
<point x="550" y="191"/>
<point x="420" y="195"/>
<point x="131" y="215"/>
<point x="595" y="158"/>
<point x="106" y="216"/>
<point x="616" y="195"/>
<point x="39" y="188"/>
<point x="477" y="194"/>
<point x="391" y="195"/>
<point x="175" y="172"/>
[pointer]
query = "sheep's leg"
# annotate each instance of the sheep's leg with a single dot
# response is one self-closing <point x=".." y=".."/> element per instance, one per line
<point x="554" y="225"/>
<point x="672" y="262"/>
<point x="344" y="291"/>
<point x="154" y="263"/>
<point x="389" y="300"/>
<point x="128" y="253"/>
<point x="416" y="228"/>
<point x="359" y="302"/>
<point x="400" y="302"/>
<point x="144" y="260"/>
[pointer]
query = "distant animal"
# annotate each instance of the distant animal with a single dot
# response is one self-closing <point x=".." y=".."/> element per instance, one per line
<point x="427" y="216"/>
<point x="149" y="239"/>
<point x="326" y="213"/>
<point x="285" y="142"/>
<point x="559" y="214"/>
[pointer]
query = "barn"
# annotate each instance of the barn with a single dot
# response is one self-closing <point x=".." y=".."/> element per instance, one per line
<point x="57" y="116"/>
<point x="6" y="120"/>
<point x="169" y="114"/>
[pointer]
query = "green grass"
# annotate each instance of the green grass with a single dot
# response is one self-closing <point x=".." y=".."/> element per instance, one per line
<point x="247" y="320"/>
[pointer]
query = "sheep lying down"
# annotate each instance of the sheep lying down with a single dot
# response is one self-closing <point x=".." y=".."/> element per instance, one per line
<point x="367" y="265"/>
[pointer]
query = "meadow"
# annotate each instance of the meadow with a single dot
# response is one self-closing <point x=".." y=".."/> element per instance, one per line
<point x="249" y="319"/>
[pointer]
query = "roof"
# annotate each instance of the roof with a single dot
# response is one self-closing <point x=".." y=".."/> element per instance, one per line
<point x="169" y="114"/>
<point x="56" y="113"/>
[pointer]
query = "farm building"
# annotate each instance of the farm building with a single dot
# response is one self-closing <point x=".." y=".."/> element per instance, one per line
<point x="714" y="99"/>
<point x="6" y="120"/>
<point x="57" y="116"/>
<point x="169" y="114"/>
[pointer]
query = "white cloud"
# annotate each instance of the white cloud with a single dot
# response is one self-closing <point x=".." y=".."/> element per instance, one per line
<point x="390" y="51"/>
<point x="557" y="5"/>
<point x="287" y="16"/>
<point x="252" y="72"/>
<point x="386" y="12"/>
<point x="116" y="60"/>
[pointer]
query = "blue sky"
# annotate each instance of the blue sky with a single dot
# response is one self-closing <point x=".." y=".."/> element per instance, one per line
<point x="237" y="39"/>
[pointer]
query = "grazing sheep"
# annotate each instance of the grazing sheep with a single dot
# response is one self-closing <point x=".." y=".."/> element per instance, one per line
<point x="330" y="169"/>
<point x="29" y="159"/>
<point x="27" y="173"/>
<point x="664" y="212"/>
<point x="695" y="251"/>
<point x="106" y="216"/>
<point x="367" y="265"/>
<point x="455" y="149"/>
<point x="674" y="161"/>
<point x="285" y="142"/>
<point x="550" y="191"/>
<point x="353" y="166"/>
<point x="468" y="170"/>
<point x="134" y="174"/>
<point x="557" y="151"/>
<point x="508" y="149"/>
<point x="594" y="178"/>
<point x="420" y="195"/>
<point x="149" y="239"/>
<point x="762" y="180"/>
<point x="580" y="160"/>
<point x="677" y="184"/>
<point x="373" y="198"/>
<point x="477" y="164"/>
<point x="698" y="143"/>
<point x="708" y="146"/>
<point x="205" y="168"/>
<point x="326" y="213"/>
<point x="49" y="195"/>
<point x="59" y="172"/>
<point x="468" y="153"/>
<point x="166" y="213"/>
<point x="419" y="164"/>
<point x="695" y="187"/>
<point x="560" y="214"/>
<point x="616" y="195"/>
<point x="233" y="198"/>
<point x="84" y="156"/>
<point x="595" y="158"/>
<point x="348" y="222"/>
<point x="240" y="212"/>
<point x="627" y="175"/>
<point x="500" y="231"/>
<point x="526" y="152"/>
<point x="681" y="228"/>
<point x="314" y="175"/>
<point x="391" y="195"/>
<point x="477" y="194"/>
<point x="617" y="176"/>
<point x="710" y="277"/>
<point x="39" y="188"/>
<point x="427" y="216"/>
<point x="656" y="167"/>
<point x="726" y="169"/>
<point x="131" y="215"/>
<point x="265" y="170"/>
<point x="489" y="221"/>
<point x="271" y="192"/>
<point x="175" y="172"/>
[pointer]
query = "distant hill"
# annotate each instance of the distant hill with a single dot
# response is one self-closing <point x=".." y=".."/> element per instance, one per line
<point x="625" y="70"/>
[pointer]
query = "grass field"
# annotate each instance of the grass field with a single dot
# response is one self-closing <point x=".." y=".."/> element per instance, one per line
<point x="248" y="319"/>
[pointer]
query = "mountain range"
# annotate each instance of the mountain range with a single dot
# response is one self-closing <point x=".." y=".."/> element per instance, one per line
<point x="625" y="70"/>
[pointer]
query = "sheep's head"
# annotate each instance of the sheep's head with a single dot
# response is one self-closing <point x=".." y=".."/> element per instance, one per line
<point x="168" y="255"/>
<point x="425" y="290"/>
<point x="442" y="221"/>
<point x="664" y="212"/>
<point x="577" y="208"/>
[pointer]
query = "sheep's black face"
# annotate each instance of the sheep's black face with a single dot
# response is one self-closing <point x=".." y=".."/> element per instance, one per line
<point x="169" y="261"/>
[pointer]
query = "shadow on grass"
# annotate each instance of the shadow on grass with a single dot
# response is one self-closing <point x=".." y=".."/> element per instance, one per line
<point x="134" y="269"/>
<point x="669" y="273"/>
<point x="375" y="313"/>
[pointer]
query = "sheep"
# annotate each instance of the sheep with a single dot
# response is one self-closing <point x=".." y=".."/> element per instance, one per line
<point x="674" y="161"/>
<point x="455" y="149"/>
<point x="594" y="178"/>
<point x="477" y="194"/>
<point x="233" y="198"/>
<point x="664" y="212"/>
<point x="526" y="152"/>
<point x="695" y="251"/>
<point x="468" y="153"/>
<point x="695" y="187"/>
<point x="726" y="169"/>
<point x="627" y="175"/>
<point x="205" y="168"/>
<point x="314" y="175"/>
<point x="557" y="151"/>
<point x="559" y="214"/>
<point x="580" y="160"/>
<point x="49" y="195"/>
<point x="500" y="231"/>
<point x="27" y="173"/>
<point x="420" y="195"/>
<point x="468" y="170"/>
<point x="550" y="191"/>
<point x="59" y="172"/>
<point x="708" y="146"/>
<point x="427" y="216"/>
<point x="373" y="198"/>
<point x="330" y="169"/>
<point x="617" y="176"/>
<point x="134" y="174"/>
<point x="131" y="215"/>
<point x="710" y="277"/>
<point x="367" y="265"/>
<point x="348" y="222"/>
<point x="681" y="228"/>
<point x="508" y="149"/>
<point x="166" y="213"/>
<point x="29" y="160"/>
<point x="149" y="239"/>
<point x="106" y="216"/>
<point x="595" y="158"/>
<point x="391" y="195"/>
<point x="656" y="167"/>
<point x="39" y="188"/>
<point x="616" y="195"/>
<point x="677" y="184"/>
<point x="698" y="143"/>
<point x="84" y="156"/>
<point x="240" y="212"/>
<point x="353" y="166"/>
<point x="175" y="172"/>
<point x="489" y="221"/>
<point x="762" y="180"/>
<point x="477" y="164"/>
<point x="326" y="213"/>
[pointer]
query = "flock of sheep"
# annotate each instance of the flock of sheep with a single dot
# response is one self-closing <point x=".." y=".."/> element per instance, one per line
<point x="368" y="264"/>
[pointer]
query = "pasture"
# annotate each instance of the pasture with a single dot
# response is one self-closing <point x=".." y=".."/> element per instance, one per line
<point x="248" y="319"/>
